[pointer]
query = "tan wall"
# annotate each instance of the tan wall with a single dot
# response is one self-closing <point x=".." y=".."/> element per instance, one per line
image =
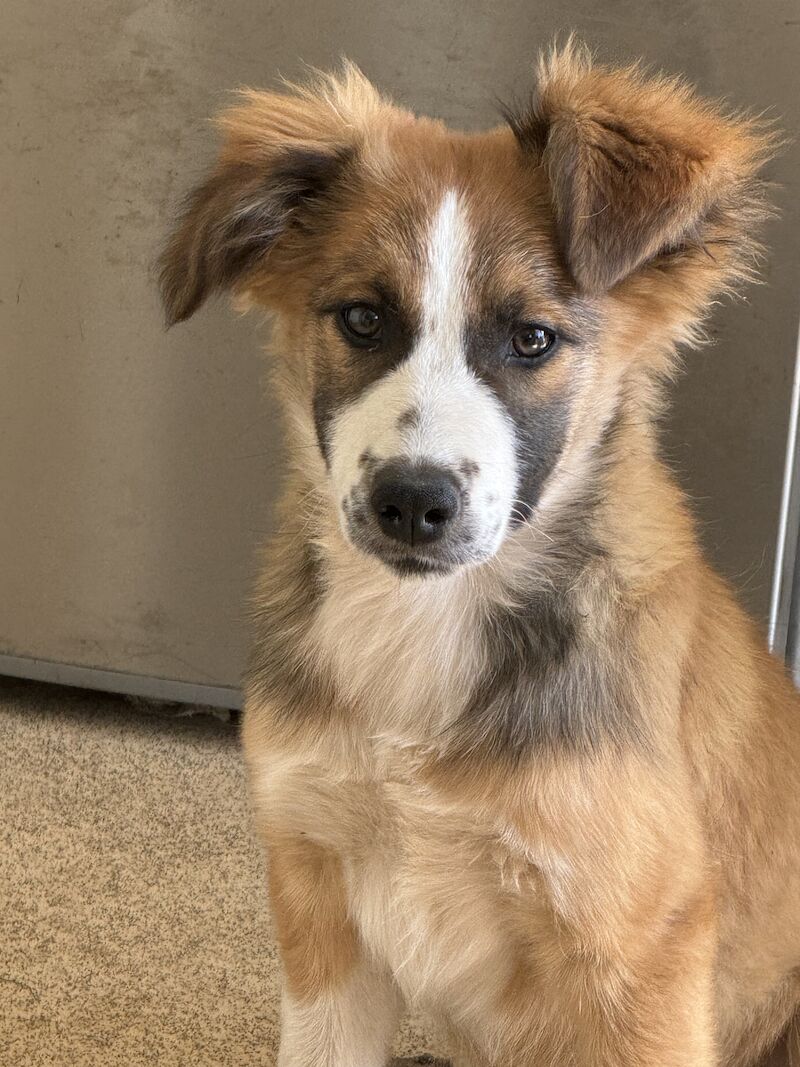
<point x="137" y="468"/>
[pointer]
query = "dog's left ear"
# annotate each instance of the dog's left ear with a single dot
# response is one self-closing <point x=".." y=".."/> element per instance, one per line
<point x="636" y="166"/>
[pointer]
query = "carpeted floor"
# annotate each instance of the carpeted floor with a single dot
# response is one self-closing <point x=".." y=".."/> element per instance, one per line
<point x="133" y="920"/>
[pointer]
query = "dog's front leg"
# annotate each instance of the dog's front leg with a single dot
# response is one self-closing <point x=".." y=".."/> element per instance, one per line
<point x="657" y="1014"/>
<point x="337" y="1008"/>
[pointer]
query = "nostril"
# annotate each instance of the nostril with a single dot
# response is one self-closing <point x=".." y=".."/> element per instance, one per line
<point x="391" y="513"/>
<point x="436" y="516"/>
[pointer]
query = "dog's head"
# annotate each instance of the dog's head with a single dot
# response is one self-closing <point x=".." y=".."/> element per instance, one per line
<point x="461" y="317"/>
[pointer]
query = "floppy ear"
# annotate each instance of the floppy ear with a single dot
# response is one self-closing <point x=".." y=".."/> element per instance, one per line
<point x="282" y="154"/>
<point x="637" y="166"/>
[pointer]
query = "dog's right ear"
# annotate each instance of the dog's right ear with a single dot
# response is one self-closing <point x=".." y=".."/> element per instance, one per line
<point x="281" y="156"/>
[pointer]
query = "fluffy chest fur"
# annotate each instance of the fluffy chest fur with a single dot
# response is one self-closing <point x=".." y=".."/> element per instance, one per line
<point x="374" y="775"/>
<point x="415" y="867"/>
<point x="404" y="659"/>
<point x="405" y="654"/>
<point x="464" y="895"/>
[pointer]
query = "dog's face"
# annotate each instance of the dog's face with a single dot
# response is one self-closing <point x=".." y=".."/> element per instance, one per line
<point x="445" y="350"/>
<point x="460" y="317"/>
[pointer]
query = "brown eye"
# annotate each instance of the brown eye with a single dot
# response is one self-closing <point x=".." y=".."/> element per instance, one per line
<point x="362" y="323"/>
<point x="532" y="341"/>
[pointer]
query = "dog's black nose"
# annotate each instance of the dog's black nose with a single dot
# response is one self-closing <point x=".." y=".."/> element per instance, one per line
<point x="415" y="507"/>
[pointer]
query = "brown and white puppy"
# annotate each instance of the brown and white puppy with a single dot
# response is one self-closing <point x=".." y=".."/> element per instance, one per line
<point x="518" y="758"/>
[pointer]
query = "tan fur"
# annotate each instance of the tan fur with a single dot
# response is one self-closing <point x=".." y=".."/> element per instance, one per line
<point x="629" y="897"/>
<point x="309" y="905"/>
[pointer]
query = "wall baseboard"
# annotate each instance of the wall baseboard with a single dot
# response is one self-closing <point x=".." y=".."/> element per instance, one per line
<point x="167" y="689"/>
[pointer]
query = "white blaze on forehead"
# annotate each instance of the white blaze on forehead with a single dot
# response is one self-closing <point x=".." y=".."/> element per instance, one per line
<point x="444" y="289"/>
<point x="457" y="418"/>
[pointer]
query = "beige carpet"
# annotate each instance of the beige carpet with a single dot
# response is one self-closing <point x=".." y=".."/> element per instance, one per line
<point x="133" y="922"/>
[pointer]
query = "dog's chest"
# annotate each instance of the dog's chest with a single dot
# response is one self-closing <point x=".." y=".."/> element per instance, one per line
<point x="442" y="894"/>
<point x="435" y="891"/>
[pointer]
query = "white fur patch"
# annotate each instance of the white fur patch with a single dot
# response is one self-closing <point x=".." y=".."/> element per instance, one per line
<point x="397" y="648"/>
<point x="352" y="1026"/>
<point x="458" y="418"/>
<point x="421" y="944"/>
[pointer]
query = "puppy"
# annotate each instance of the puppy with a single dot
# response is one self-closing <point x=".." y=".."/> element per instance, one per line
<point x="517" y="756"/>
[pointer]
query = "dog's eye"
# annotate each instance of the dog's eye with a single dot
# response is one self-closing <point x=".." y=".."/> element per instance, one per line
<point x="362" y="323"/>
<point x="532" y="341"/>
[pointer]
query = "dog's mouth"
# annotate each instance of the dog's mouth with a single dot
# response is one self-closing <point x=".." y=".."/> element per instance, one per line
<point x="415" y="567"/>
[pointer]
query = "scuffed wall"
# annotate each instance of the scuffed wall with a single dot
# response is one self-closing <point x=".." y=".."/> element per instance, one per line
<point x="138" y="468"/>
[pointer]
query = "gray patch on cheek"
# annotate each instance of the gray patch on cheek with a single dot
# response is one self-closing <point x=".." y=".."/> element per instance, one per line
<point x="540" y="433"/>
<point x="360" y="511"/>
<point x="357" y="512"/>
<point x="330" y="397"/>
<point x="342" y="381"/>
<point x="324" y="407"/>
<point x="540" y="423"/>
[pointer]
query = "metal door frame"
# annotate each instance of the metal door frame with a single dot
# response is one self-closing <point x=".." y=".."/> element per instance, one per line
<point x="784" y="616"/>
